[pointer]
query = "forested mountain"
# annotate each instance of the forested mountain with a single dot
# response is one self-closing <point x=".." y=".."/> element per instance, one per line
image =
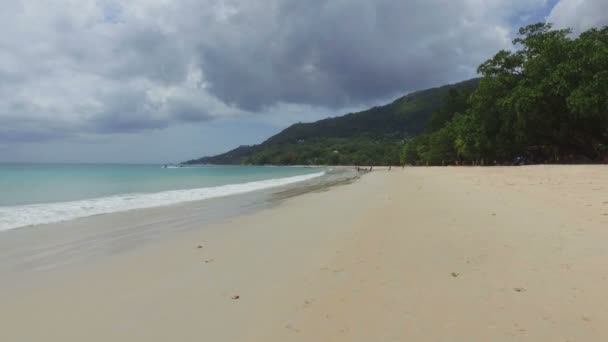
<point x="546" y="101"/>
<point x="374" y="136"/>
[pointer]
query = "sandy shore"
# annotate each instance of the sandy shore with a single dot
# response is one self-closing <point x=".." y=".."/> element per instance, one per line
<point x="421" y="254"/>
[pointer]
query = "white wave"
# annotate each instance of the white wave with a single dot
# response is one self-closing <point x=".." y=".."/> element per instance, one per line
<point x="34" y="214"/>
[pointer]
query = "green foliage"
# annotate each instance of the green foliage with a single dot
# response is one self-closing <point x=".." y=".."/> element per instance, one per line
<point x="331" y="151"/>
<point x="455" y="102"/>
<point x="547" y="101"/>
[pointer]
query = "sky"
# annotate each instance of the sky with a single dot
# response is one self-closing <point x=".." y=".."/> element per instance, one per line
<point x="156" y="81"/>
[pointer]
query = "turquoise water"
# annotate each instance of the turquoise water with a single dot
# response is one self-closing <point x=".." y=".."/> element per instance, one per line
<point x="43" y="193"/>
<point x="43" y="183"/>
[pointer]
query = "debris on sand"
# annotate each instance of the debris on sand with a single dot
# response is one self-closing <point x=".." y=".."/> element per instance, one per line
<point x="235" y="297"/>
<point x="519" y="289"/>
<point x="455" y="274"/>
<point x="289" y="327"/>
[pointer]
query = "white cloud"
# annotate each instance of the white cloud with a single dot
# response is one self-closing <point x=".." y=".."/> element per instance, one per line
<point x="74" y="67"/>
<point x="580" y="15"/>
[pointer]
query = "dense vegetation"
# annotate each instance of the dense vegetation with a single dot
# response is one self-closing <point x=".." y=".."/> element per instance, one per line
<point x="545" y="102"/>
<point x="372" y="137"/>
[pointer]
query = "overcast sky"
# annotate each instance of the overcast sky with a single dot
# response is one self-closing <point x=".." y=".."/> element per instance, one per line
<point x="169" y="80"/>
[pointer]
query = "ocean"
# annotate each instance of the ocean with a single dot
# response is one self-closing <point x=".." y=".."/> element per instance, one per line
<point x="32" y="194"/>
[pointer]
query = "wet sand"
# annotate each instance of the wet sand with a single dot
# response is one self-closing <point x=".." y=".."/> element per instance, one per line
<point x="27" y="251"/>
<point x="420" y="254"/>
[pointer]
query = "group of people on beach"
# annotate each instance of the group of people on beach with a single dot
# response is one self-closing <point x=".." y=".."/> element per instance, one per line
<point x="364" y="169"/>
<point x="370" y="169"/>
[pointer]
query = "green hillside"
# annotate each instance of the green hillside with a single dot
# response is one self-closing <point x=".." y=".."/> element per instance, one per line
<point x="374" y="136"/>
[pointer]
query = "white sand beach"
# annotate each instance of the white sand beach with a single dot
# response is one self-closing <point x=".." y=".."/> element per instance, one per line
<point x="414" y="254"/>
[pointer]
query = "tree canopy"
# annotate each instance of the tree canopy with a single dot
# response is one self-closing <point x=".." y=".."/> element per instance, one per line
<point x="546" y="101"/>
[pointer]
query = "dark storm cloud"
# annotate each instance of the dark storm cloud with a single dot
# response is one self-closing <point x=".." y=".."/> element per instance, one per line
<point x="153" y="54"/>
<point x="336" y="53"/>
<point x="74" y="67"/>
<point x="127" y="111"/>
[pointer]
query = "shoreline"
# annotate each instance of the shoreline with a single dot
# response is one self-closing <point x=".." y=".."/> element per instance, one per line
<point x="422" y="254"/>
<point x="44" y="248"/>
<point x="17" y="216"/>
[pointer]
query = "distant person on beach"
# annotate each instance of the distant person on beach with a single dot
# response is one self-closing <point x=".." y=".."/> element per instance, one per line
<point x="519" y="160"/>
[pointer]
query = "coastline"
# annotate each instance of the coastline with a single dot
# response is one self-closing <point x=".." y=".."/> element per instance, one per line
<point x="48" y="206"/>
<point x="44" y="248"/>
<point x="421" y="254"/>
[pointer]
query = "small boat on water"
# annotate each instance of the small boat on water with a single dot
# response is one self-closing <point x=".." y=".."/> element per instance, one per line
<point x="172" y="166"/>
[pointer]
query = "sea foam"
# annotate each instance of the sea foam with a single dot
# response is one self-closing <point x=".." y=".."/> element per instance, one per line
<point x="35" y="214"/>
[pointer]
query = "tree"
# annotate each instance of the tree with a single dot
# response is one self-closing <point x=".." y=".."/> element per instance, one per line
<point x="548" y="100"/>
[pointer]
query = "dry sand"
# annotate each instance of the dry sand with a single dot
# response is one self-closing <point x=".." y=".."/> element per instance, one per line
<point x="421" y="254"/>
